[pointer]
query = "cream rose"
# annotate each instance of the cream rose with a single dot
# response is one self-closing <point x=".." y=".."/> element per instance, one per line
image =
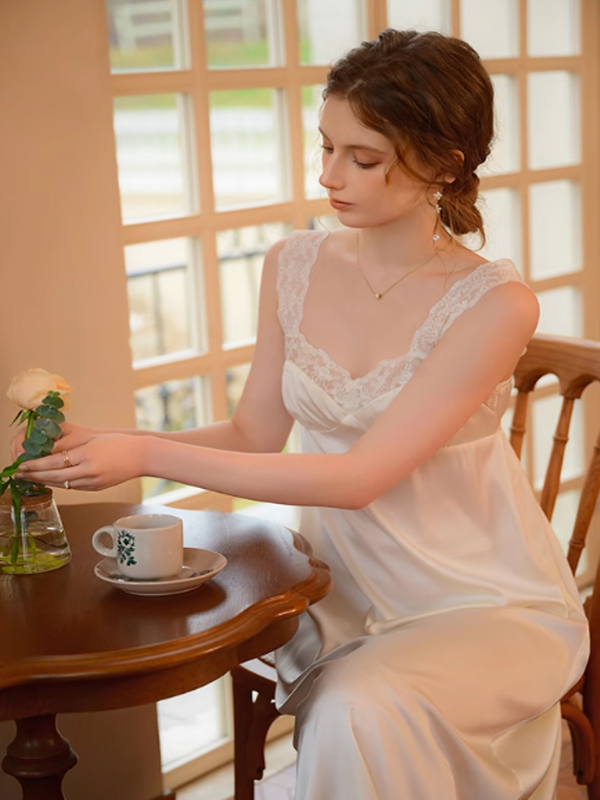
<point x="29" y="388"/>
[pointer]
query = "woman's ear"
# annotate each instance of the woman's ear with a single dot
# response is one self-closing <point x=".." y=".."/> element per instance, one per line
<point x="460" y="157"/>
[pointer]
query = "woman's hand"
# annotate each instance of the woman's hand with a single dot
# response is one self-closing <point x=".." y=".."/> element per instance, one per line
<point x="103" y="460"/>
<point x="72" y="436"/>
<point x="16" y="443"/>
<point x="75" y="436"/>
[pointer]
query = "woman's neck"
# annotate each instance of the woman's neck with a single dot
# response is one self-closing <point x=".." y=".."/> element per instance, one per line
<point x="400" y="244"/>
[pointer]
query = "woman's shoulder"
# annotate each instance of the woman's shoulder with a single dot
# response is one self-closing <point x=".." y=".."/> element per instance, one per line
<point x="299" y="248"/>
<point x="468" y="269"/>
<point x="498" y="291"/>
<point x="474" y="278"/>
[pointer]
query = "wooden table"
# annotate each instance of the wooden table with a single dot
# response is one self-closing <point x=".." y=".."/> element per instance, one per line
<point x="69" y="642"/>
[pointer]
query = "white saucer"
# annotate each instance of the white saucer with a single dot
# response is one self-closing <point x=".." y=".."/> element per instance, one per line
<point x="199" y="566"/>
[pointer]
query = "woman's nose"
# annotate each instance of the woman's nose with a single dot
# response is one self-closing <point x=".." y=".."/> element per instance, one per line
<point x="331" y="175"/>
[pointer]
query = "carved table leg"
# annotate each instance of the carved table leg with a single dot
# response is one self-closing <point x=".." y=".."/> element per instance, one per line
<point x="39" y="757"/>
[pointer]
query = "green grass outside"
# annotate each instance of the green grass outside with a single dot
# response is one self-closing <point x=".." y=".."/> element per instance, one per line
<point x="230" y="98"/>
<point x="220" y="55"/>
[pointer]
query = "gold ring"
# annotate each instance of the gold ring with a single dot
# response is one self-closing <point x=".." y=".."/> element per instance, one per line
<point x="67" y="485"/>
<point x="66" y="459"/>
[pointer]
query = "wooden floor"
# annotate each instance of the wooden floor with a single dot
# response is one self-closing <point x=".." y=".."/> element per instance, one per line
<point x="280" y="777"/>
<point x="280" y="756"/>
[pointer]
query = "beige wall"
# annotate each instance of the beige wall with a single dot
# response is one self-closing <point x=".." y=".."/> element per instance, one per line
<point x="63" y="298"/>
<point x="62" y="294"/>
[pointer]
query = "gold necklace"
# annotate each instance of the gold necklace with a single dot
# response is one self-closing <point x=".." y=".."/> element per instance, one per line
<point x="379" y="295"/>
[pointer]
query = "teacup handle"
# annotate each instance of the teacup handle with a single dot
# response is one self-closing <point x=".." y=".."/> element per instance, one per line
<point x="111" y="552"/>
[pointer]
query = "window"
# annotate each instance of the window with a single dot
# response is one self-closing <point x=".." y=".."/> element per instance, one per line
<point x="215" y="110"/>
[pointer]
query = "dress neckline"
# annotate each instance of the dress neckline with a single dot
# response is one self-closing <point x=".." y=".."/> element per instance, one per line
<point x="384" y="363"/>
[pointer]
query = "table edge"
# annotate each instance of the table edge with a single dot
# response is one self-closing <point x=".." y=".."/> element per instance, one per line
<point x="246" y="625"/>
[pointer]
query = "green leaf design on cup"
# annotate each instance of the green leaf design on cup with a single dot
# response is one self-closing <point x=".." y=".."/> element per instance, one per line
<point x="125" y="548"/>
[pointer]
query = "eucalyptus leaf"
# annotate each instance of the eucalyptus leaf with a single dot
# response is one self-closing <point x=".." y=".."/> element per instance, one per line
<point x="50" y="428"/>
<point x="53" y="399"/>
<point x="31" y="448"/>
<point x="39" y="437"/>
<point x="27" y="488"/>
<point x="49" y="412"/>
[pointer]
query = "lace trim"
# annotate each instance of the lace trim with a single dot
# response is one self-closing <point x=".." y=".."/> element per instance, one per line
<point x="295" y="263"/>
<point x="351" y="394"/>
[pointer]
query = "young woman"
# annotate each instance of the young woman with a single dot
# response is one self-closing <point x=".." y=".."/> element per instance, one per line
<point x="435" y="666"/>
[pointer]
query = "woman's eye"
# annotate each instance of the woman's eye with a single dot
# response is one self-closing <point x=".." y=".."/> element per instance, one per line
<point x="365" y="164"/>
<point x="327" y="148"/>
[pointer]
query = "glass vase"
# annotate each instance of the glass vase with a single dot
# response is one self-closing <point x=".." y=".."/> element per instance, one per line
<point x="38" y="543"/>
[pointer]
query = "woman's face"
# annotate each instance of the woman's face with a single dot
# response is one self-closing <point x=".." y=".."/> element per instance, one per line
<point x="364" y="186"/>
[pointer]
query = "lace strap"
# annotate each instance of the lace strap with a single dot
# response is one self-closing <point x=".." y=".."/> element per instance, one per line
<point x="295" y="263"/>
<point x="464" y="294"/>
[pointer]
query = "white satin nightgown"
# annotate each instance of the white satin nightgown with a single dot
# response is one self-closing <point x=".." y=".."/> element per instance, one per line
<point x="433" y="669"/>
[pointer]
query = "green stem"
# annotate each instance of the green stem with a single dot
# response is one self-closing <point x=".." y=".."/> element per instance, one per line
<point x="16" y="497"/>
<point x="30" y="423"/>
<point x="14" y="553"/>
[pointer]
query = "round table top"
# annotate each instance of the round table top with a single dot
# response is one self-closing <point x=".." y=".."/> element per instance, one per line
<point x="68" y="624"/>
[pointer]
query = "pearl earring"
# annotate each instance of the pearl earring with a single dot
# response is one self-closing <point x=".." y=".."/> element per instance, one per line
<point x="437" y="196"/>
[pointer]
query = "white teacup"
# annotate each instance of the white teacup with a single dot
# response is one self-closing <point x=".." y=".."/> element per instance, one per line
<point x="145" y="546"/>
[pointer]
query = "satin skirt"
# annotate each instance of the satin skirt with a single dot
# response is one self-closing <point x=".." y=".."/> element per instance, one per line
<point x="456" y="706"/>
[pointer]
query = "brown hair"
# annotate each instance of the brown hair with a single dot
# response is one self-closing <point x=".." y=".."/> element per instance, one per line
<point x="430" y="95"/>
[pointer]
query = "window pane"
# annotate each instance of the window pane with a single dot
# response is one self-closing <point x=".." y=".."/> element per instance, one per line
<point x="327" y="29"/>
<point x="490" y="26"/>
<point x="502" y="221"/>
<point x="546" y="412"/>
<point x="312" y="99"/>
<point x="241" y="254"/>
<point x="190" y="724"/>
<point x="289" y="516"/>
<point x="325" y="222"/>
<point x="555" y="206"/>
<point x="561" y="312"/>
<point x="160" y="286"/>
<point x="248" y="165"/>
<point x="553" y="27"/>
<point x="144" y="35"/>
<point x="171" y="406"/>
<point x="553" y="119"/>
<point x="236" y="380"/>
<point x="505" y="150"/>
<point x="426" y="15"/>
<point x="242" y="34"/>
<point x="152" y="155"/>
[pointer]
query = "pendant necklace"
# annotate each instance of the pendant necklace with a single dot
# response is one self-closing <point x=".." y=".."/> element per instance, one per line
<point x="379" y="295"/>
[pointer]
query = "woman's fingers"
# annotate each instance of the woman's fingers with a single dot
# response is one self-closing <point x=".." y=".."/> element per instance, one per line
<point x="73" y="436"/>
<point x="16" y="444"/>
<point x="102" y="462"/>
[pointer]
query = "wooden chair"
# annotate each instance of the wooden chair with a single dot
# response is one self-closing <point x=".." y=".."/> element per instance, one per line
<point x="576" y="364"/>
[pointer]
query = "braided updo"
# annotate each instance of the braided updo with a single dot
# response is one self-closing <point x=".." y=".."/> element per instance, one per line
<point x="429" y="95"/>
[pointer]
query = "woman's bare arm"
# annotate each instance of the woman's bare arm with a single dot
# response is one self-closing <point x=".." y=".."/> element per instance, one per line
<point x="478" y="351"/>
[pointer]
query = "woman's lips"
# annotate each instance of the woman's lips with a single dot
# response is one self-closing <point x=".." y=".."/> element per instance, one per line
<point x="339" y="204"/>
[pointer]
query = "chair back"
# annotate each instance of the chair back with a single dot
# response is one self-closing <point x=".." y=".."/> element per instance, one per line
<point x="576" y="364"/>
